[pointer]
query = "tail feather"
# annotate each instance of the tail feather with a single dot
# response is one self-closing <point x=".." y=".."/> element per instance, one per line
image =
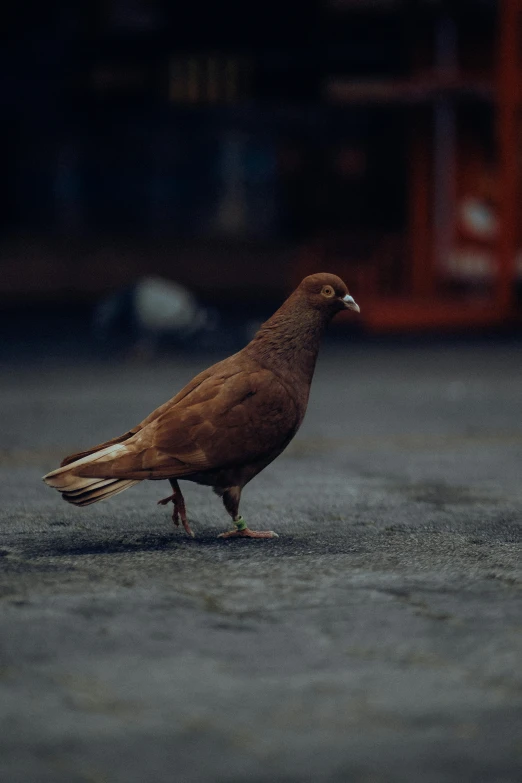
<point x="97" y="493"/>
<point x="99" y="447"/>
<point x="90" y="487"/>
<point x="82" y="491"/>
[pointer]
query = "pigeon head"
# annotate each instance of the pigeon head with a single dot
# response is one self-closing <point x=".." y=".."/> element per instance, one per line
<point x="289" y="341"/>
<point x="327" y="292"/>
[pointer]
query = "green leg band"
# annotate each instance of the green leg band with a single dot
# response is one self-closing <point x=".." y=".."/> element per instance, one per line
<point x="240" y="523"/>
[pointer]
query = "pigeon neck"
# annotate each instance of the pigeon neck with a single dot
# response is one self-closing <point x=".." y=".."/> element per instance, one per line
<point x="289" y="341"/>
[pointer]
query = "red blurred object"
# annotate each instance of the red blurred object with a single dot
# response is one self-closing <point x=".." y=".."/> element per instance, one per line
<point x="405" y="283"/>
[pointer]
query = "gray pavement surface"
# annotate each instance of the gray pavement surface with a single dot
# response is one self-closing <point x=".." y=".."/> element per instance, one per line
<point x="378" y="639"/>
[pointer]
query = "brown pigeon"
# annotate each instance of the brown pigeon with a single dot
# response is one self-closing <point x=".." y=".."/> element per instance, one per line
<point x="228" y="423"/>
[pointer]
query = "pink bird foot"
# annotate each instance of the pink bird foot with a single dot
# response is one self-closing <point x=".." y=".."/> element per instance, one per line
<point x="179" y="508"/>
<point x="242" y="531"/>
<point x="247" y="533"/>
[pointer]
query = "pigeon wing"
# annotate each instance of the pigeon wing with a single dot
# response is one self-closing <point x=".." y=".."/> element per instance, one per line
<point x="226" y="420"/>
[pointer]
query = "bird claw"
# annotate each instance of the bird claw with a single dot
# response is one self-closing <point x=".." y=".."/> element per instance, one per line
<point x="176" y="513"/>
<point x="247" y="533"/>
<point x="186" y="526"/>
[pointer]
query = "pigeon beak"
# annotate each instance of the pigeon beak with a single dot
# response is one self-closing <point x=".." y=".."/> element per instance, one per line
<point x="350" y="303"/>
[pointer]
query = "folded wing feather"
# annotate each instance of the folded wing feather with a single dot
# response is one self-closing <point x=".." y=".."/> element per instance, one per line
<point x="211" y="425"/>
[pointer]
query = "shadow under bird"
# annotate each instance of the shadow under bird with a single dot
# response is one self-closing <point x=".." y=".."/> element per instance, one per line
<point x="227" y="424"/>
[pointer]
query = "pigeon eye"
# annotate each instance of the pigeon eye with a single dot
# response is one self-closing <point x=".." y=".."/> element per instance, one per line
<point x="328" y="291"/>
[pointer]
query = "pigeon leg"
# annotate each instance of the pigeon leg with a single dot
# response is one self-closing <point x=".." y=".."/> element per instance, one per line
<point x="179" y="507"/>
<point x="231" y="498"/>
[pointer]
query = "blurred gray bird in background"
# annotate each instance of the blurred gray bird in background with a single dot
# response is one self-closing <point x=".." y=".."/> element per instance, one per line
<point x="151" y="311"/>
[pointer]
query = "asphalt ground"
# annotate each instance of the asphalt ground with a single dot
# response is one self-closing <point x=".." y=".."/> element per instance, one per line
<point x="379" y="639"/>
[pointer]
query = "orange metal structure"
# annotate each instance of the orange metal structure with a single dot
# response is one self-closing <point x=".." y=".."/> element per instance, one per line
<point x="422" y="303"/>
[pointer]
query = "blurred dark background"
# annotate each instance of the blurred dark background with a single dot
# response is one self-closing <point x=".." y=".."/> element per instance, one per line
<point x="168" y="172"/>
<point x="233" y="148"/>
